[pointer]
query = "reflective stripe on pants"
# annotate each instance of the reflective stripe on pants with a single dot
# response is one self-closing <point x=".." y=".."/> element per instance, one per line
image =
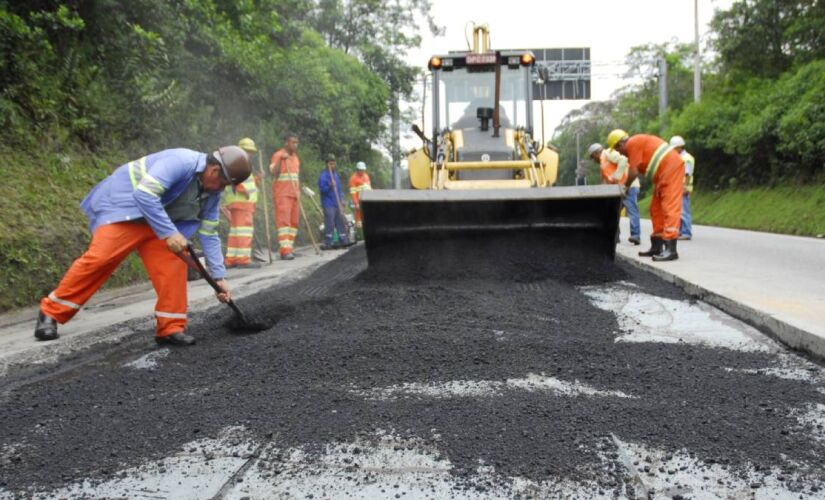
<point x="241" y="229"/>
<point x="286" y="220"/>
<point x="110" y="245"/>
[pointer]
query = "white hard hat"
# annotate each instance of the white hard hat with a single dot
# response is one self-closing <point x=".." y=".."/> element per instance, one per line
<point x="595" y="147"/>
<point x="361" y="165"/>
<point x="677" y="142"/>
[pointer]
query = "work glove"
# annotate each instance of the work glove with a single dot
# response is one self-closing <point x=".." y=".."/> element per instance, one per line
<point x="308" y="192"/>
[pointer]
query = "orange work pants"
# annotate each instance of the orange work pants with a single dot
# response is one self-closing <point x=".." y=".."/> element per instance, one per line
<point x="286" y="221"/>
<point x="239" y="244"/>
<point x="666" y="204"/>
<point x="110" y="245"/>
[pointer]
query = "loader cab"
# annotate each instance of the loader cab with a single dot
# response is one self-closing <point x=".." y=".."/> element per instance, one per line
<point x="464" y="86"/>
<point x="464" y="99"/>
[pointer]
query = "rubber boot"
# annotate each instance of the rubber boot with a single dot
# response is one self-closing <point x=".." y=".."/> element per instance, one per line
<point x="668" y="252"/>
<point x="656" y="244"/>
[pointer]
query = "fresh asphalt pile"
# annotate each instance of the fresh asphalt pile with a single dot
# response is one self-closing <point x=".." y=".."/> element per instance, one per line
<point x="342" y="331"/>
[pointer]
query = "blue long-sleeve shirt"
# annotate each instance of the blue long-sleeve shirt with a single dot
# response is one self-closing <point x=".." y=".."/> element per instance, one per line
<point x="142" y="188"/>
<point x="327" y="185"/>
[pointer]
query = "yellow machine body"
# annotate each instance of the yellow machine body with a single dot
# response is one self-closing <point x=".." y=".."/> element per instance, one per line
<point x="481" y="174"/>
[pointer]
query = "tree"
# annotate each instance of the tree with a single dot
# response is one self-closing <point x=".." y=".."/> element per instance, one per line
<point x="765" y="37"/>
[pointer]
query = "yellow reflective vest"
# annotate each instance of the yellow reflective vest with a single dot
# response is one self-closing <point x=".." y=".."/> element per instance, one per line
<point x="690" y="163"/>
<point x="245" y="192"/>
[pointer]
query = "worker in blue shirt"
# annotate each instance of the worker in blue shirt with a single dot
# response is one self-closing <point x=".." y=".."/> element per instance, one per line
<point x="329" y="184"/>
<point x="152" y="205"/>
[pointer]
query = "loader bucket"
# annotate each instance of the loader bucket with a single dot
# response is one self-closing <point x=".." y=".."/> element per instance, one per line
<point x="440" y="230"/>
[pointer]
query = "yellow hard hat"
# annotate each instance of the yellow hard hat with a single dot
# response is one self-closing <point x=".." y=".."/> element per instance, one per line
<point x="616" y="137"/>
<point x="248" y="145"/>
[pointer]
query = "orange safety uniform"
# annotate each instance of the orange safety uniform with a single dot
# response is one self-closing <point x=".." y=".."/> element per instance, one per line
<point x="111" y="243"/>
<point x="286" y="192"/>
<point x="358" y="182"/>
<point x="240" y="203"/>
<point x="656" y="159"/>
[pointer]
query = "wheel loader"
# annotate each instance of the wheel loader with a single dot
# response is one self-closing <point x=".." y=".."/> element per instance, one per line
<point x="481" y="176"/>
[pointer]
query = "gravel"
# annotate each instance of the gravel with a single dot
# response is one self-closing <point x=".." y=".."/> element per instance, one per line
<point x="342" y="332"/>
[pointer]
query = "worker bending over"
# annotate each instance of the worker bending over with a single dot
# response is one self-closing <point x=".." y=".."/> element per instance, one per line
<point x="686" y="226"/>
<point x="151" y="205"/>
<point x="655" y="158"/>
<point x="285" y="167"/>
<point x="358" y="183"/>
<point x="239" y="207"/>
<point x="613" y="169"/>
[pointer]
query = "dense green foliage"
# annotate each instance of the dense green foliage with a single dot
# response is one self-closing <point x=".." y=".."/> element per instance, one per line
<point x="149" y="74"/>
<point x="760" y="118"/>
<point x="88" y="85"/>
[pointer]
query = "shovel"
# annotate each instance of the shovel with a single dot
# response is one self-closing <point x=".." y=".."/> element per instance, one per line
<point x="240" y="322"/>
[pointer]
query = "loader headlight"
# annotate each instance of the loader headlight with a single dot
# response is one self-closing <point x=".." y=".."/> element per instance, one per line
<point x="435" y="63"/>
<point x="527" y="59"/>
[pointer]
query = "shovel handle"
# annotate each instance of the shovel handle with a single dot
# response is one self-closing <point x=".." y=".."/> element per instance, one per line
<point x="195" y="263"/>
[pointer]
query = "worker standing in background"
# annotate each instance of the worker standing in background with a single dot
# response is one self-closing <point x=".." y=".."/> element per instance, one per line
<point x="686" y="226"/>
<point x="285" y="167"/>
<point x="359" y="182"/>
<point x="239" y="207"/>
<point x="652" y="156"/>
<point x="329" y="185"/>
<point x="613" y="170"/>
<point x="151" y="205"/>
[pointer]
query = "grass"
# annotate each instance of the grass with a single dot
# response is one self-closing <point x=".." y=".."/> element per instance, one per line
<point x="798" y="210"/>
<point x="42" y="229"/>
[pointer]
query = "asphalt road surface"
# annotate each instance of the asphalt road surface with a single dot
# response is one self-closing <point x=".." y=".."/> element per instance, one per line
<point x="506" y="381"/>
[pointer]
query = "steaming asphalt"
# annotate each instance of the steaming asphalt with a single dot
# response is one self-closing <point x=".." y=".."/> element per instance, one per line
<point x="593" y="382"/>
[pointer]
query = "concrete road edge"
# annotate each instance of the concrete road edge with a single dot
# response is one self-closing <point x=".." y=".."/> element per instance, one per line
<point x="789" y="335"/>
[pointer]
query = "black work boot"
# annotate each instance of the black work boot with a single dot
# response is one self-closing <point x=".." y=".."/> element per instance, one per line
<point x="656" y="244"/>
<point x="668" y="252"/>
<point x="177" y="338"/>
<point x="46" y="328"/>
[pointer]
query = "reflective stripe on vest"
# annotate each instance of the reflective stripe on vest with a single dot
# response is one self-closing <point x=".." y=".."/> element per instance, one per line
<point x="657" y="158"/>
<point x="250" y="194"/>
<point x="287" y="177"/>
<point x="143" y="181"/>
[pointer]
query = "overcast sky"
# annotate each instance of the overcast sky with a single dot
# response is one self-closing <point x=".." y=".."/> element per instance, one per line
<point x="609" y="28"/>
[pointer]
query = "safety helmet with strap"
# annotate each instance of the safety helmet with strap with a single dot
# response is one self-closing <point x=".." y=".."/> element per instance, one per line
<point x="234" y="163"/>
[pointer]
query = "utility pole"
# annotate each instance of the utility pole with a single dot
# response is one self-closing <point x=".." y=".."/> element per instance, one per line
<point x="581" y="176"/>
<point x="662" y="91"/>
<point x="395" y="147"/>
<point x="697" y="75"/>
